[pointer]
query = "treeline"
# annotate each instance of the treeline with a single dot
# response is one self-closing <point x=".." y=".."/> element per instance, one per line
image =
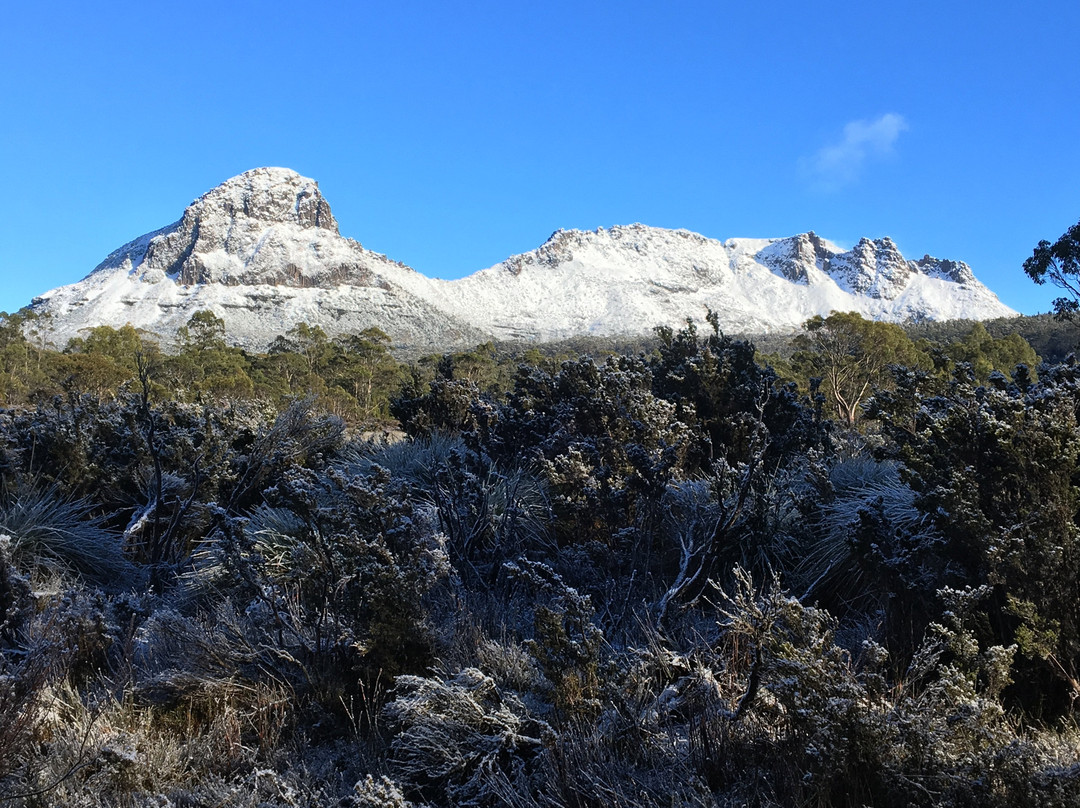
<point x="353" y="376"/>
<point x="356" y="376"/>
<point x="674" y="576"/>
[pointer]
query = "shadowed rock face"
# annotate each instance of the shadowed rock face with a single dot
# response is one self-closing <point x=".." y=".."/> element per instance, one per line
<point x="874" y="268"/>
<point x="953" y="271"/>
<point x="792" y="257"/>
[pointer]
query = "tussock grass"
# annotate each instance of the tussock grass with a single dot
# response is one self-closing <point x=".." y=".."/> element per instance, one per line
<point x="63" y="534"/>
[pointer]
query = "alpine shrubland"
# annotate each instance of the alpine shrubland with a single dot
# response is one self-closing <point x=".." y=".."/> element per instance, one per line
<point x="678" y="575"/>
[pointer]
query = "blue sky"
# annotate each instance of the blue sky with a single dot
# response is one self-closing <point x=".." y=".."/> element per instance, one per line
<point x="450" y="136"/>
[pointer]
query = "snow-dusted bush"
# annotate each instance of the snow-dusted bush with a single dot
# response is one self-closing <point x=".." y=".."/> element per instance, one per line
<point x="378" y="793"/>
<point x="462" y="741"/>
<point x="566" y="643"/>
<point x="488" y="514"/>
<point x="415" y="460"/>
<point x="995" y="472"/>
<point x="334" y="570"/>
<point x="866" y="512"/>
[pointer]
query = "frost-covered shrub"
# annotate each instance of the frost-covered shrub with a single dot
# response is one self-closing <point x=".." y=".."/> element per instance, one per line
<point x="16" y="597"/>
<point x="415" y="460"/>
<point x="48" y="643"/>
<point x="729" y="400"/>
<point x="152" y="470"/>
<point x="735" y="515"/>
<point x="24" y="676"/>
<point x="865" y="522"/>
<point x="487" y="514"/>
<point x="566" y="643"/>
<point x="831" y="728"/>
<point x="335" y="568"/>
<point x="603" y="442"/>
<point x="446" y="405"/>
<point x="380" y="793"/>
<point x="801" y="699"/>
<point x="300" y="436"/>
<point x="995" y="470"/>
<point x="461" y="740"/>
<point x="117" y="753"/>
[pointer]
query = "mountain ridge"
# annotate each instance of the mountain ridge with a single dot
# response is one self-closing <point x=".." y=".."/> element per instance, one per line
<point x="264" y="251"/>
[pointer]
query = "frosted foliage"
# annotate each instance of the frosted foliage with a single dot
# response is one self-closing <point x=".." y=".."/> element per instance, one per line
<point x="863" y="487"/>
<point x="63" y="533"/>
<point x="379" y="793"/>
<point x="879" y="484"/>
<point x="461" y="735"/>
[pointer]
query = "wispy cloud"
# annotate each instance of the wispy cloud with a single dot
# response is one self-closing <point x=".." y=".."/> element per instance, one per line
<point x="841" y="164"/>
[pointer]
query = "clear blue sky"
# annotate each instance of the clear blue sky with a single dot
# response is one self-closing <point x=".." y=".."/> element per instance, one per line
<point x="450" y="136"/>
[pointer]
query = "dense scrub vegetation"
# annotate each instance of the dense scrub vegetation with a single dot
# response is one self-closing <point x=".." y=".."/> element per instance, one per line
<point x="679" y="575"/>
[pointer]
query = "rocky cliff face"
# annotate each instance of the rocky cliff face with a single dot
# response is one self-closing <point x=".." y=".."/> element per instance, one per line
<point x="263" y="251"/>
<point x="267" y="226"/>
<point x="794" y="258"/>
<point x="873" y="268"/>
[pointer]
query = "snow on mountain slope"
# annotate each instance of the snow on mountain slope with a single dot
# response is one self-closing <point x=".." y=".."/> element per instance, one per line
<point x="263" y="252"/>
<point x="620" y="280"/>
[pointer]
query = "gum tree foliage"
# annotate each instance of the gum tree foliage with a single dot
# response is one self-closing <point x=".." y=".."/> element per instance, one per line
<point x="309" y="342"/>
<point x="987" y="354"/>
<point x="353" y="377"/>
<point x="204" y="331"/>
<point x="206" y="368"/>
<point x="364" y="367"/>
<point x="1059" y="263"/>
<point x="851" y="356"/>
<point x="27" y="368"/>
<point x="104" y="360"/>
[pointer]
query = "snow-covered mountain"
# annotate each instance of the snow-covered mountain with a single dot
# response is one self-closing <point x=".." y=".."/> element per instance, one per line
<point x="627" y="278"/>
<point x="263" y="252"/>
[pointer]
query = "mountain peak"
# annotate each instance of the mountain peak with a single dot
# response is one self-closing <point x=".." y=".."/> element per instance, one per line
<point x="793" y="258"/>
<point x="267" y="225"/>
<point x="270" y="195"/>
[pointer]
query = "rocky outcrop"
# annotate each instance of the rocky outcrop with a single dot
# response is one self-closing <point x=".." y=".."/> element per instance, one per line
<point x="793" y="258"/>
<point x="266" y="226"/>
<point x="874" y="268"/>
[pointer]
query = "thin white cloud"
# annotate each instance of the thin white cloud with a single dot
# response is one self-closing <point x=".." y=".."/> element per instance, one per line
<point x="841" y="164"/>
